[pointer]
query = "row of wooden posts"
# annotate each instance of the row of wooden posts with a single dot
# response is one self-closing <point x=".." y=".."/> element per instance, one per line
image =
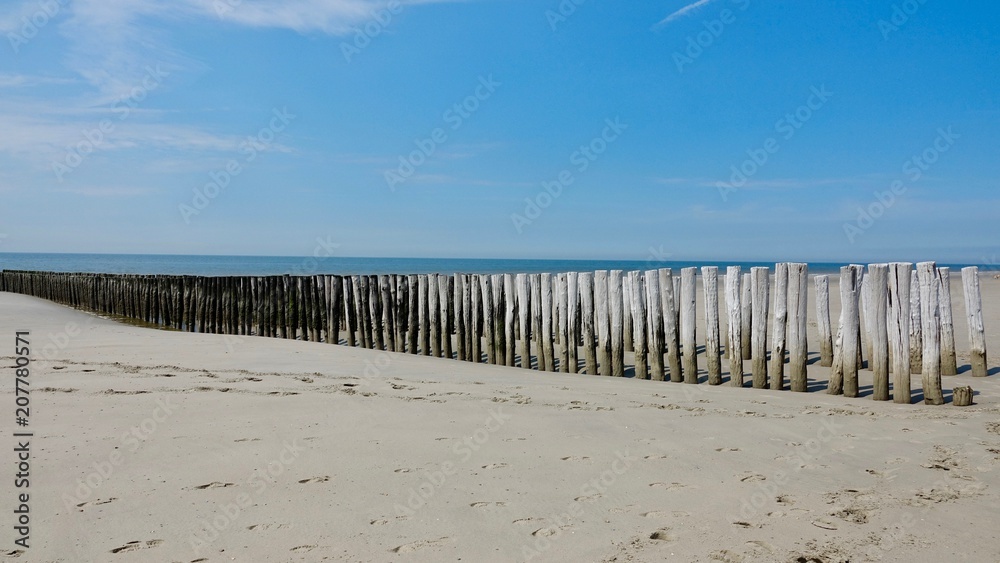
<point x="897" y="317"/>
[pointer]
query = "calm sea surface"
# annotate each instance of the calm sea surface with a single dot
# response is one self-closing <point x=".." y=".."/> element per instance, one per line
<point x="277" y="265"/>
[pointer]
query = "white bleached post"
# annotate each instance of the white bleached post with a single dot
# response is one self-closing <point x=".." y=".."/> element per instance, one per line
<point x="823" y="320"/>
<point x="710" y="285"/>
<point x="639" y="345"/>
<point x="461" y="352"/>
<point x="524" y="316"/>
<point x="974" y="314"/>
<point x="688" y="300"/>
<point x="654" y="324"/>
<point x="586" y="281"/>
<point x="876" y="319"/>
<point x="735" y="332"/>
<point x="780" y="325"/>
<point x="434" y="307"/>
<point x="746" y="315"/>
<point x="850" y="289"/>
<point x="949" y="362"/>
<point x="899" y="330"/>
<point x="627" y="329"/>
<point x="509" y="295"/>
<point x="548" y="350"/>
<point x="535" y="287"/>
<point x="760" y="281"/>
<point x="573" y="319"/>
<point x="603" y="322"/>
<point x="617" y="306"/>
<point x="670" y="331"/>
<point x="563" y="304"/>
<point x="798" y="351"/>
<point x="928" y="281"/>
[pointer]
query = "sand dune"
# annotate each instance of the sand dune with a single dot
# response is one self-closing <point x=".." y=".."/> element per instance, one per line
<point x="164" y="446"/>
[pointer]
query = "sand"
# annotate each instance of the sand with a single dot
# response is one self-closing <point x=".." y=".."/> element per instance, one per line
<point x="154" y="445"/>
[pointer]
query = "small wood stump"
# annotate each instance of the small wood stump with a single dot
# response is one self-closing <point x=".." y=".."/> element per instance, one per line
<point x="962" y="396"/>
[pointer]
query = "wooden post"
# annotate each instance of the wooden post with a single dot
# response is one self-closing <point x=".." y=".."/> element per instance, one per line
<point x="688" y="331"/>
<point x="627" y="330"/>
<point x="388" y="312"/>
<point x="475" y="287"/>
<point x="823" y="320"/>
<point x="746" y="316"/>
<point x="524" y="318"/>
<point x="617" y="307"/>
<point x="798" y="350"/>
<point x="335" y="288"/>
<point x="865" y="309"/>
<point x="445" y="302"/>
<point x="949" y="363"/>
<point x="460" y="350"/>
<point x="535" y="286"/>
<point x="974" y="315"/>
<point x="778" y="333"/>
<point x="467" y="321"/>
<point x="413" y="314"/>
<point x="734" y="303"/>
<point x="710" y="285"/>
<point x="654" y="318"/>
<point x="962" y="396"/>
<point x="489" y="318"/>
<point x="586" y="281"/>
<point x="434" y="309"/>
<point x="916" y="326"/>
<point x="928" y="282"/>
<point x="573" y="317"/>
<point x="499" y="329"/>
<point x="849" y="294"/>
<point x="876" y="283"/>
<point x="424" y="313"/>
<point x="603" y="322"/>
<point x="899" y="330"/>
<point x="562" y="297"/>
<point x="402" y="296"/>
<point x="671" y="337"/>
<point x="639" y="344"/>
<point x="350" y="320"/>
<point x="509" y="296"/>
<point x="760" y="288"/>
<point x="375" y="307"/>
<point x="546" y="336"/>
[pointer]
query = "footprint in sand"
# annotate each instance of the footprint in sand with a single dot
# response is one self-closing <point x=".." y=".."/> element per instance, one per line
<point x="656" y="514"/>
<point x="727" y="449"/>
<point x="485" y="505"/>
<point x="656" y="456"/>
<point x="663" y="534"/>
<point x="267" y="527"/>
<point x="322" y="479"/>
<point x="136" y="546"/>
<point x="667" y="486"/>
<point x="575" y="458"/>
<point x="212" y="485"/>
<point x="525" y="521"/>
<point x="303" y="548"/>
<point x="588" y="498"/>
<point x="752" y="477"/>
<point x="495" y="466"/>
<point x="384" y="521"/>
<point x="403" y="470"/>
<point x="422" y="544"/>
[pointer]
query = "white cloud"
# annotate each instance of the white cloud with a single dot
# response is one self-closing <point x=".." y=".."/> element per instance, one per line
<point x="682" y="12"/>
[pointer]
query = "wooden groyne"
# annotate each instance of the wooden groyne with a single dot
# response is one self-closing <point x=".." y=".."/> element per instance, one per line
<point x="580" y="322"/>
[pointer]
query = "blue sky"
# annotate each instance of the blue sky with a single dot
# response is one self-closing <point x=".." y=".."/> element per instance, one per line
<point x="492" y="128"/>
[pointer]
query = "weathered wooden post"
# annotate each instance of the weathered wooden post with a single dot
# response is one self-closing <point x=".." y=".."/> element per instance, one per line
<point x="654" y="307"/>
<point x="446" y="302"/>
<point x="434" y="309"/>
<point x="974" y="315"/>
<point x="778" y="333"/>
<point x="627" y="330"/>
<point x="798" y="350"/>
<point x="603" y="322"/>
<point x="928" y="281"/>
<point x="962" y="396"/>
<point x="586" y="281"/>
<point x="916" y="326"/>
<point x="823" y="320"/>
<point x="460" y="350"/>
<point x="746" y="315"/>
<point x="639" y="344"/>
<point x="424" y="313"/>
<point x="850" y="290"/>
<point x="710" y="285"/>
<point x="671" y="336"/>
<point x="562" y="304"/>
<point x="877" y="285"/>
<point x="535" y="287"/>
<point x="489" y="318"/>
<point x="573" y="319"/>
<point x="413" y="314"/>
<point x="509" y="295"/>
<point x="734" y="303"/>
<point x="899" y="330"/>
<point x="760" y="288"/>
<point x="375" y="307"/>
<point x="335" y="290"/>
<point x="617" y="306"/>
<point x="388" y="312"/>
<point x="687" y="322"/>
<point x="949" y="363"/>
<point x="467" y="320"/>
<point x="524" y="316"/>
<point x="475" y="287"/>
<point x="548" y="351"/>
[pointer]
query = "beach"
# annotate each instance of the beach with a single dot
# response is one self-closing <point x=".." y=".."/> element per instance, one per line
<point x="156" y="445"/>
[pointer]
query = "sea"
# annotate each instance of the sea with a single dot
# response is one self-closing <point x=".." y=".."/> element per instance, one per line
<point x="279" y="265"/>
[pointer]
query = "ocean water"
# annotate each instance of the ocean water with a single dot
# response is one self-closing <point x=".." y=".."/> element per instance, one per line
<point x="278" y="265"/>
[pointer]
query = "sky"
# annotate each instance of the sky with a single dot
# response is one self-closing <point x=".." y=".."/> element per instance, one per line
<point x="847" y="130"/>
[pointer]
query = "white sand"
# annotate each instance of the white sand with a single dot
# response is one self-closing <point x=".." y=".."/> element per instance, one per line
<point x="709" y="473"/>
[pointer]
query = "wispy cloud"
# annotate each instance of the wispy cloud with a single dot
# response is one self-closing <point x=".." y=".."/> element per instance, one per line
<point x="682" y="12"/>
<point x="771" y="184"/>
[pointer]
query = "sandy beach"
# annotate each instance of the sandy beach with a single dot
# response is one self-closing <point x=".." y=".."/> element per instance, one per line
<point x="155" y="445"/>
